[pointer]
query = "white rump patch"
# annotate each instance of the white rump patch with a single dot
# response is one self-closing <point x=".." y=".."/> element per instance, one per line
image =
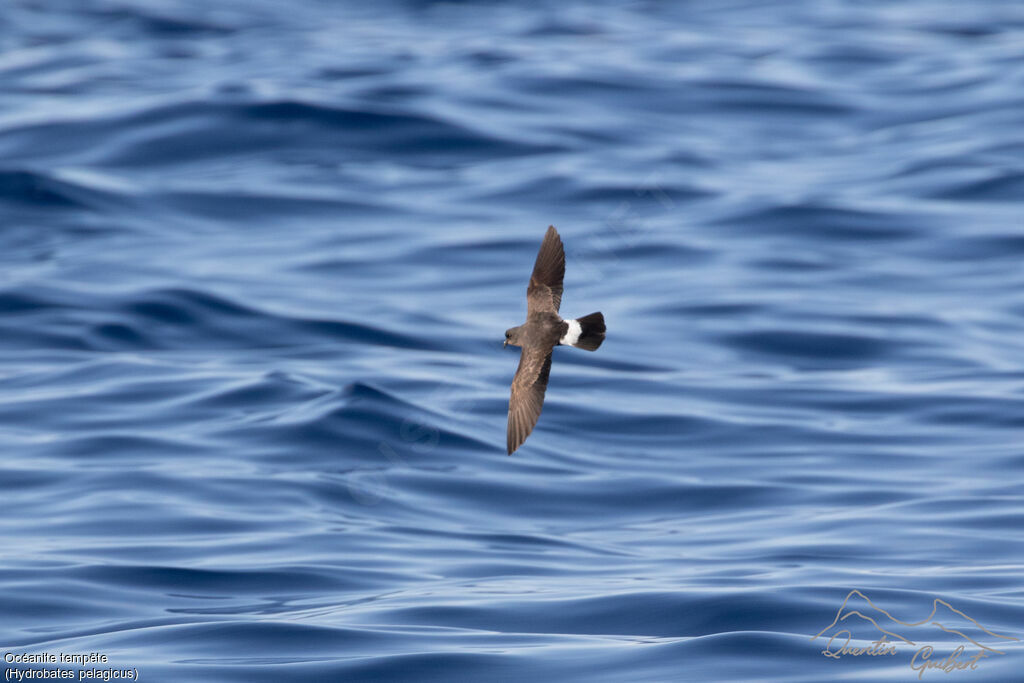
<point x="572" y="335"/>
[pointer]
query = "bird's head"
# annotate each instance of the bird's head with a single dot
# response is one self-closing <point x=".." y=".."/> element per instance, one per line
<point x="512" y="336"/>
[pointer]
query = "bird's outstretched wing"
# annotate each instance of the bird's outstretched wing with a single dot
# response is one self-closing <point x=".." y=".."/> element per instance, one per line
<point x="545" y="290"/>
<point x="528" y="387"/>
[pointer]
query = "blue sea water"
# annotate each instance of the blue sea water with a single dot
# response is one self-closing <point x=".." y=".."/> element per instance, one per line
<point x="257" y="259"/>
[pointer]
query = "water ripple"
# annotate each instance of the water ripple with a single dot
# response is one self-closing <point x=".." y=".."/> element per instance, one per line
<point x="255" y="263"/>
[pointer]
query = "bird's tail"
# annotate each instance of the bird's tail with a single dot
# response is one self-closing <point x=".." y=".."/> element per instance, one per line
<point x="591" y="331"/>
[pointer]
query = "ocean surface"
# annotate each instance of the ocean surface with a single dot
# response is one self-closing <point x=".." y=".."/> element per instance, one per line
<point x="257" y="259"/>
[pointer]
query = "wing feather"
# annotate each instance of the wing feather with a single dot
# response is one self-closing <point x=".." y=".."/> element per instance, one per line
<point x="528" y="387"/>
<point x="545" y="290"/>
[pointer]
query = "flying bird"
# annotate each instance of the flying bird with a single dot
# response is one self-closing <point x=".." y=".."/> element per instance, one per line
<point x="543" y="330"/>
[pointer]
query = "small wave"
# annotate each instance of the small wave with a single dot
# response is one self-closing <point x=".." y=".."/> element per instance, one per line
<point x="361" y="425"/>
<point x="37" y="189"/>
<point x="981" y="247"/>
<point x="818" y="346"/>
<point x="174" y="319"/>
<point x="825" y="223"/>
<point x="182" y="132"/>
<point x="1005" y="186"/>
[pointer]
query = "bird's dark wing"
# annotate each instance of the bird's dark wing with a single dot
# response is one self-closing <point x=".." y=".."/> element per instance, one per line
<point x="545" y="290"/>
<point x="528" y="387"/>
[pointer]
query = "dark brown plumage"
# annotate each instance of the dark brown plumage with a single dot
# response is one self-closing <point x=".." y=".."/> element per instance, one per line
<point x="527" y="399"/>
<point x="544" y="295"/>
<point x="543" y="330"/>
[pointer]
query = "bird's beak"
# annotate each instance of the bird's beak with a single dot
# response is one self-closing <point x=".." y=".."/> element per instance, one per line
<point x="505" y="344"/>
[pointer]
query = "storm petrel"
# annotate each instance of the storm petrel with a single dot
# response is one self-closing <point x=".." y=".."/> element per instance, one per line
<point x="543" y="330"/>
